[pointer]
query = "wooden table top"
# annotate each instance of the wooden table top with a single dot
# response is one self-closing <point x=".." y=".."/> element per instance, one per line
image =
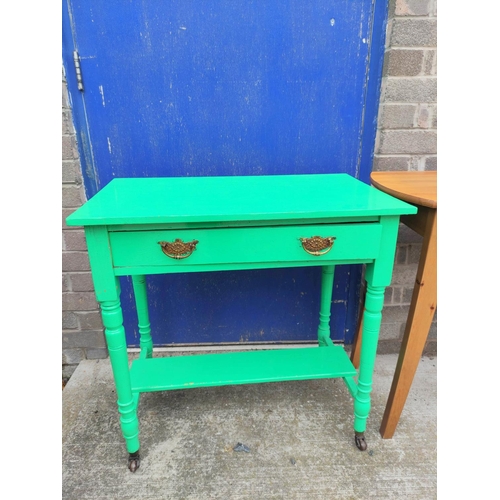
<point x="234" y="199"/>
<point x="413" y="187"/>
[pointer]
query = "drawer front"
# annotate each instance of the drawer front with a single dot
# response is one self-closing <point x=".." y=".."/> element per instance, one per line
<point x="246" y="245"/>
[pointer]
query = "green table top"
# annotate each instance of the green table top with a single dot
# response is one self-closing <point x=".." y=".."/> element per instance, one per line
<point x="235" y="198"/>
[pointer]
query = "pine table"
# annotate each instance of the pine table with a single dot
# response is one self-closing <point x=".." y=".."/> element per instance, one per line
<point x="420" y="189"/>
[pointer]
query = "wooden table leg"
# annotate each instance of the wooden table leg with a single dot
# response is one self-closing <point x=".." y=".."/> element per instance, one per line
<point x="112" y="319"/>
<point x="356" y="345"/>
<point x="372" y="318"/>
<point x="141" y="303"/>
<point x="327" y="274"/>
<point x="422" y="309"/>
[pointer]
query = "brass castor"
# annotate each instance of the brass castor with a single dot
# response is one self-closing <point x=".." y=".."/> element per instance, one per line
<point x="359" y="438"/>
<point x="134" y="460"/>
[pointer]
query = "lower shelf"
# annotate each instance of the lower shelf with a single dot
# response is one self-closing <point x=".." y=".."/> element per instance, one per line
<point x="247" y="367"/>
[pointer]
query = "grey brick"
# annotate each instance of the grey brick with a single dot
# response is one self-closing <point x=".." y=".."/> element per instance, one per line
<point x="407" y="235"/>
<point x="397" y="116"/>
<point x="408" y="293"/>
<point x="395" y="317"/>
<point x="434" y="117"/>
<point x="75" y="240"/>
<point x="416" y="163"/>
<point x="388" y="295"/>
<point x="92" y="339"/>
<point x="75" y="261"/>
<point x="414" y="251"/>
<point x="395" y="313"/>
<point x="69" y="321"/>
<point x="72" y="196"/>
<point x="414" y="32"/>
<point x="79" y="301"/>
<point x="67" y="125"/>
<point x="424" y="116"/>
<point x="71" y="172"/>
<point x="65" y="213"/>
<point x="431" y="163"/>
<point x="401" y="253"/>
<point x="404" y="275"/>
<point x="69" y="149"/>
<point x="397" y="295"/>
<point x="408" y="142"/>
<point x="389" y="346"/>
<point x="392" y="163"/>
<point x="391" y="9"/>
<point x="434" y="8"/>
<point x="65" y="100"/>
<point x="430" y="62"/>
<point x="389" y="331"/>
<point x="101" y="353"/>
<point x="81" y="282"/>
<point x="410" y="90"/>
<point x="414" y="7"/>
<point x="403" y="62"/>
<point x="72" y="356"/>
<point x="90" y="320"/>
<point x="65" y="283"/>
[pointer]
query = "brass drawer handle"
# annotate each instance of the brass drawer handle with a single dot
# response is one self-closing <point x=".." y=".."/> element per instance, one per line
<point x="178" y="249"/>
<point x="317" y="245"/>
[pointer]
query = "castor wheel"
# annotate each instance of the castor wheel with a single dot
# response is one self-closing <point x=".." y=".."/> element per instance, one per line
<point x="134" y="460"/>
<point x="359" y="438"/>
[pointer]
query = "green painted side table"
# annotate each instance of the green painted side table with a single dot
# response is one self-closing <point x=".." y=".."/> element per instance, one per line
<point x="136" y="227"/>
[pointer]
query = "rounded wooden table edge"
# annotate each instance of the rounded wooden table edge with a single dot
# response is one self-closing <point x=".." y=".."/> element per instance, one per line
<point x="405" y="186"/>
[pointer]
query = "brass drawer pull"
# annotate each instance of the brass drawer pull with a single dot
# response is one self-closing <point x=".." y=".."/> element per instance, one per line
<point x="317" y="245"/>
<point x="178" y="249"/>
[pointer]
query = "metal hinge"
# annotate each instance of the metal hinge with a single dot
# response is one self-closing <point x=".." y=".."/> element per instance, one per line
<point x="76" y="60"/>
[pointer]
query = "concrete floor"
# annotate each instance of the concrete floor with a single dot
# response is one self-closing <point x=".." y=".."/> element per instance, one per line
<point x="299" y="434"/>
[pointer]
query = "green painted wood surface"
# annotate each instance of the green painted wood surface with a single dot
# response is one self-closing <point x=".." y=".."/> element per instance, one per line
<point x="372" y="318"/>
<point x="234" y="198"/>
<point x="325" y="307"/>
<point x="240" y="223"/>
<point x="246" y="245"/>
<point x="235" y="266"/>
<point x="379" y="273"/>
<point x="247" y="367"/>
<point x="141" y="305"/>
<point x="101" y="265"/>
<point x="117" y="347"/>
<point x="275" y="212"/>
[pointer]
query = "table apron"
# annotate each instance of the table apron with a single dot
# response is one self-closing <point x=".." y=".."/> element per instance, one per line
<point x="243" y="248"/>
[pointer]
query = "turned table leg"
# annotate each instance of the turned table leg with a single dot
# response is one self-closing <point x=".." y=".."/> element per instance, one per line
<point x="356" y="345"/>
<point x="325" y="306"/>
<point x="141" y="304"/>
<point x="372" y="318"/>
<point x="117" y="346"/>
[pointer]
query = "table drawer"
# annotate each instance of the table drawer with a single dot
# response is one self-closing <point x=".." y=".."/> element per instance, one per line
<point x="246" y="245"/>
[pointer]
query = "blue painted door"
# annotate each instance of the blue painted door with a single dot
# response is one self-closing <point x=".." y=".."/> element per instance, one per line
<point x="190" y="88"/>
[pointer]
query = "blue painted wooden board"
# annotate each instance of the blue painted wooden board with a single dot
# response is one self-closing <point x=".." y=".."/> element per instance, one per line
<point x="240" y="309"/>
<point x="223" y="88"/>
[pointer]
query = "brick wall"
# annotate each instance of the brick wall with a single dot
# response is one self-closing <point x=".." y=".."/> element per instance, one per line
<point x="406" y="140"/>
<point x="82" y="331"/>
